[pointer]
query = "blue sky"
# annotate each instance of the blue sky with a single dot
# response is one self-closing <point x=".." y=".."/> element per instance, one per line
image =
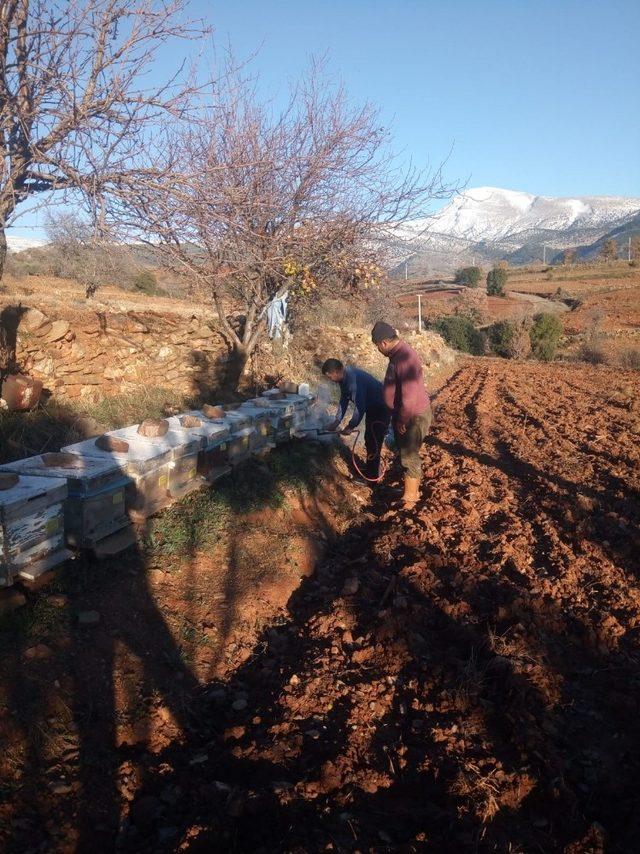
<point x="535" y="96"/>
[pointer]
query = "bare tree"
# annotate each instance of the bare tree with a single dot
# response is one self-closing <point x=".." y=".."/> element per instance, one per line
<point x="264" y="201"/>
<point x="77" y="105"/>
<point x="75" y="251"/>
<point x="609" y="250"/>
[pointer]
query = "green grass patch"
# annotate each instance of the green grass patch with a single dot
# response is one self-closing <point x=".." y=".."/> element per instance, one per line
<point x="197" y="523"/>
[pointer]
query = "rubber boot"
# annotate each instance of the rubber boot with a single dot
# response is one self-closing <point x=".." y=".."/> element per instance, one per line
<point x="411" y="491"/>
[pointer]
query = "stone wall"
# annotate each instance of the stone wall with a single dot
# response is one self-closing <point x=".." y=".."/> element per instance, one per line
<point x="89" y="354"/>
<point x="100" y="353"/>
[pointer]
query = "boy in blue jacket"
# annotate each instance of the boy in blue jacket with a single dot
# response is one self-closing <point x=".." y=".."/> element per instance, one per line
<point x="365" y="392"/>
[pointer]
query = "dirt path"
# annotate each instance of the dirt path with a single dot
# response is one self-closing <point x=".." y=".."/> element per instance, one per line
<point x="465" y="677"/>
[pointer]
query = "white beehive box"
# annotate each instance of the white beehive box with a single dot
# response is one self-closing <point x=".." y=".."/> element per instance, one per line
<point x="301" y="408"/>
<point x="213" y="457"/>
<point x="240" y="446"/>
<point x="95" y="505"/>
<point x="263" y="436"/>
<point x="236" y="419"/>
<point x="281" y="413"/>
<point x="183" y="448"/>
<point x="31" y="527"/>
<point x="146" y="464"/>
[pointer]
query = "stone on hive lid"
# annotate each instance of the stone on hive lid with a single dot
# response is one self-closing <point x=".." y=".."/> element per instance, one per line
<point x="152" y="428"/>
<point x="111" y="443"/>
<point x="62" y="461"/>
<point x="8" y="479"/>
<point x="188" y="421"/>
<point x="212" y="411"/>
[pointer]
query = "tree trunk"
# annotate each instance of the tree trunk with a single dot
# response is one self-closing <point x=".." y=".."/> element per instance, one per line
<point x="237" y="361"/>
<point x="3" y="250"/>
<point x="5" y="349"/>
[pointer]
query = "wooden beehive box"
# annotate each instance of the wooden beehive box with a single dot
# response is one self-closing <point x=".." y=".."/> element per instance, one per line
<point x="184" y="447"/>
<point x="240" y="446"/>
<point x="301" y="408"/>
<point x="31" y="526"/>
<point x="147" y="465"/>
<point x="281" y="413"/>
<point x="235" y="419"/>
<point x="262" y="423"/>
<point x="95" y="505"/>
<point x="213" y="457"/>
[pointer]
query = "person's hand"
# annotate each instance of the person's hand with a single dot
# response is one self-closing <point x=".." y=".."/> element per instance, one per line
<point x="333" y="426"/>
<point x="401" y="428"/>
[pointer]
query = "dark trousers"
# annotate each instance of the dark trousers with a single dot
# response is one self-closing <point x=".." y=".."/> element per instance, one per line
<point x="410" y="441"/>
<point x="376" y="426"/>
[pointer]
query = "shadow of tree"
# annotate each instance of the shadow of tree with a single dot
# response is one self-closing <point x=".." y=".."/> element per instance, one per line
<point x="75" y="760"/>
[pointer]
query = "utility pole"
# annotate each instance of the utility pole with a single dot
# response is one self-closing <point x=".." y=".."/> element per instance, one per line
<point x="419" y="313"/>
<point x="406" y="261"/>
<point x="544" y="256"/>
<point x="629" y="250"/>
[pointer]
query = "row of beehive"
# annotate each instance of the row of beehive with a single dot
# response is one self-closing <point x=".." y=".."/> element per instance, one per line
<point x="91" y="492"/>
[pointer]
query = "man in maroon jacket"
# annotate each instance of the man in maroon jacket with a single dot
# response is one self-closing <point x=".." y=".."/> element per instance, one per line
<point x="406" y="396"/>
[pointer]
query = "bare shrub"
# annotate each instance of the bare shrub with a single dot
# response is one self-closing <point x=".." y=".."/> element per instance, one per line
<point x="630" y="359"/>
<point x="592" y="351"/>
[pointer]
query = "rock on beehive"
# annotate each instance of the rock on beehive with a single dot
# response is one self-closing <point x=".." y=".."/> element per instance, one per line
<point x="111" y="443"/>
<point x="8" y="479"/>
<point x="190" y="421"/>
<point x="62" y="461"/>
<point x="213" y="411"/>
<point x="152" y="428"/>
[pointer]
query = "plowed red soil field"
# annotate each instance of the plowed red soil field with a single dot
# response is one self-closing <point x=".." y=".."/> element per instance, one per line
<point x="461" y="677"/>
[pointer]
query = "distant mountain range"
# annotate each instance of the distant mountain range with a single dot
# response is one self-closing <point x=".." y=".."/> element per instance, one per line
<point x="485" y="224"/>
<point x="19" y="244"/>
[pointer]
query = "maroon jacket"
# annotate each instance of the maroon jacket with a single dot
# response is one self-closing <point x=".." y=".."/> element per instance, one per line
<point x="403" y="389"/>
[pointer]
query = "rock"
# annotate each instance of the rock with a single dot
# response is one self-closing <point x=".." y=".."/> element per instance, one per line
<point x="351" y="586"/>
<point x="88" y="618"/>
<point x="32" y="319"/>
<point x="38" y="652"/>
<point x="165" y="353"/>
<point x="239" y="705"/>
<point x="58" y="600"/>
<point x="212" y="412"/>
<point x="10" y="600"/>
<point x="143" y="812"/>
<point x="294" y="680"/>
<point x="111" y="443"/>
<point x="61" y="788"/>
<point x="189" y="421"/>
<point x="153" y="428"/>
<point x="59" y="328"/>
<point x="43" y="330"/>
<point x="111" y="373"/>
<point x="8" y="480"/>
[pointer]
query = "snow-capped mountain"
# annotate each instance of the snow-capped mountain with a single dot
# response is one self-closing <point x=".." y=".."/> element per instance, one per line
<point x="487" y="222"/>
<point x="18" y="244"/>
